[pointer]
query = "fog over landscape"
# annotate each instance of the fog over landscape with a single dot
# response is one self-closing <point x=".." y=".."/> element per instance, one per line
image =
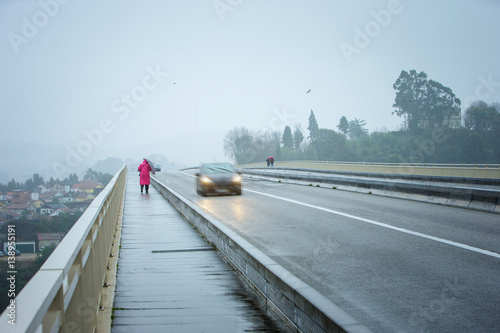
<point x="84" y="81"/>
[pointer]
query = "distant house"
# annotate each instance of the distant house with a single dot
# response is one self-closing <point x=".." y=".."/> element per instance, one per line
<point x="20" y="207"/>
<point x="84" y="197"/>
<point x="42" y="189"/>
<point x="87" y="186"/>
<point x="66" y="198"/>
<point x="23" y="247"/>
<point x="47" y="196"/>
<point x="455" y="121"/>
<point x="5" y="197"/>
<point x="58" y="209"/>
<point x="20" y="196"/>
<point x="49" y="239"/>
<point x="37" y="204"/>
<point x="45" y="210"/>
<point x="57" y="212"/>
<point x="57" y="187"/>
<point x="449" y="121"/>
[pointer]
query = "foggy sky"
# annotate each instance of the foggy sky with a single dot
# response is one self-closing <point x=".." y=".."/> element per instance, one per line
<point x="91" y="79"/>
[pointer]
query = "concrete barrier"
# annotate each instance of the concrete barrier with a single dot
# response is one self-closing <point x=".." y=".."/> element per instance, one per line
<point x="300" y="307"/>
<point x="450" y="195"/>
<point x="490" y="171"/>
<point x="391" y="176"/>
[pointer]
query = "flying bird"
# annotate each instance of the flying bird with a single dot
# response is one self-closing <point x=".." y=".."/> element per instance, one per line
<point x="307" y="92"/>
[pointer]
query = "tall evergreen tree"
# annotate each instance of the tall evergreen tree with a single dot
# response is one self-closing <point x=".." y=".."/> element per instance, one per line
<point x="343" y="125"/>
<point x="287" y="139"/>
<point x="298" y="137"/>
<point x="13" y="185"/>
<point x="38" y="180"/>
<point x="73" y="178"/>
<point x="91" y="174"/>
<point x="313" y="126"/>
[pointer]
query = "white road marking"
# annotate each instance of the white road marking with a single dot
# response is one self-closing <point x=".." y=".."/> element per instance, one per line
<point x="384" y="225"/>
<point x="187" y="174"/>
<point x="380" y="224"/>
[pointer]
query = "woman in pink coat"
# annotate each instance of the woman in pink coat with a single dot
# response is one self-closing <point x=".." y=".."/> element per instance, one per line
<point x="144" y="179"/>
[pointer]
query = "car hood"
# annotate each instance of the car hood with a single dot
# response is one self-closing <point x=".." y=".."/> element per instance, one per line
<point x="220" y="177"/>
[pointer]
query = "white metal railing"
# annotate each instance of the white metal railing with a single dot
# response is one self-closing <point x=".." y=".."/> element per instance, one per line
<point x="424" y="169"/>
<point x="65" y="294"/>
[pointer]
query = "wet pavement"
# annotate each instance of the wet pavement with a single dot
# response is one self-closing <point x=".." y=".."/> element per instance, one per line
<point x="171" y="280"/>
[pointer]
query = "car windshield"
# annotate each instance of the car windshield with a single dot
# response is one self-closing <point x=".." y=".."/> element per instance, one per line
<point x="218" y="168"/>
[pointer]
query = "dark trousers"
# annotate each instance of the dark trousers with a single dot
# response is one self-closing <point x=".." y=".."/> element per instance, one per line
<point x="147" y="188"/>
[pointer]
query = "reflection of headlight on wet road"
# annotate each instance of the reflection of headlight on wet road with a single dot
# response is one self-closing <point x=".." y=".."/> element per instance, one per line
<point x="236" y="179"/>
<point x="206" y="180"/>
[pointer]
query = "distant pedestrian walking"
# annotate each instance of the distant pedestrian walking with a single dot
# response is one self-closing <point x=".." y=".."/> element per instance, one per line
<point x="270" y="161"/>
<point x="144" y="179"/>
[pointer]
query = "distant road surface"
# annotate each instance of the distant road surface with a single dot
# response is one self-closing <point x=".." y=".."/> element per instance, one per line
<point x="395" y="265"/>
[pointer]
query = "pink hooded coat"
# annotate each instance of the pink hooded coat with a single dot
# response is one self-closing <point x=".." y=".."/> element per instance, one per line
<point x="144" y="169"/>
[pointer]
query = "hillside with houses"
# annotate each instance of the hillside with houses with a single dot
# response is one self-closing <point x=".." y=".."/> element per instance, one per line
<point x="48" y="201"/>
<point x="40" y="206"/>
<point x="41" y="214"/>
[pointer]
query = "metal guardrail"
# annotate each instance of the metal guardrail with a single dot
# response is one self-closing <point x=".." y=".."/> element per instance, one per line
<point x="423" y="169"/>
<point x="66" y="293"/>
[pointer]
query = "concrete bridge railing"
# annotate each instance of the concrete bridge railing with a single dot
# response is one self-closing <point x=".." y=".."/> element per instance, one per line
<point x="66" y="294"/>
<point x="491" y="171"/>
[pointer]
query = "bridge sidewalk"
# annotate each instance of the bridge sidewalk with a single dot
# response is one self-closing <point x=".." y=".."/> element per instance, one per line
<point x="170" y="280"/>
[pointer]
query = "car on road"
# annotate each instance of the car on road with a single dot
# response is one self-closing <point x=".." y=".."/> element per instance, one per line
<point x="157" y="167"/>
<point x="218" y="178"/>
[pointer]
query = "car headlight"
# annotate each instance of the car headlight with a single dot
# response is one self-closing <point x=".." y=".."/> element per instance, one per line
<point x="236" y="179"/>
<point x="206" y="180"/>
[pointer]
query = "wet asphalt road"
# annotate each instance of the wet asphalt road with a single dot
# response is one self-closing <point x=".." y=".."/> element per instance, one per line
<point x="395" y="265"/>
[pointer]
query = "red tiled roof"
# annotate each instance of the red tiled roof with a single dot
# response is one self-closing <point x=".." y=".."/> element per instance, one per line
<point x="86" y="185"/>
<point x="46" y="195"/>
<point x="50" y="236"/>
<point x="19" y="206"/>
<point x="11" y="213"/>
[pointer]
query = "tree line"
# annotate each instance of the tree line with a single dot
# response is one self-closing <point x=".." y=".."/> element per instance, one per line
<point x="433" y="131"/>
<point x="36" y="180"/>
